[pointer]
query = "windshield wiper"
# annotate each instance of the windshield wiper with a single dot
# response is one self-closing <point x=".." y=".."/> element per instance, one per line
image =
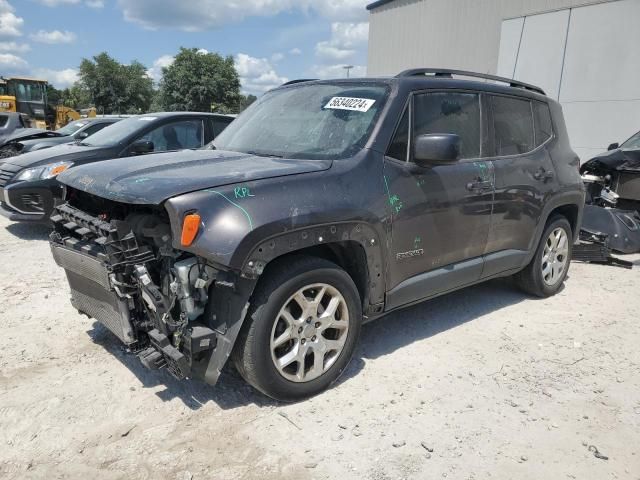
<point x="267" y="155"/>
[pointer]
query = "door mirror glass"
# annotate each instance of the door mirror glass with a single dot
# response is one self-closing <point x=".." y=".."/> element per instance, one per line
<point x="613" y="146"/>
<point x="142" y="146"/>
<point x="436" y="148"/>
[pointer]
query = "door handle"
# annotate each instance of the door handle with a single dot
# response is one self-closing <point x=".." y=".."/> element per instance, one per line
<point x="479" y="185"/>
<point x="543" y="174"/>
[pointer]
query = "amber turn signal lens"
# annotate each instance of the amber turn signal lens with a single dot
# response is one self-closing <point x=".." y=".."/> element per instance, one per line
<point x="58" y="170"/>
<point x="190" y="228"/>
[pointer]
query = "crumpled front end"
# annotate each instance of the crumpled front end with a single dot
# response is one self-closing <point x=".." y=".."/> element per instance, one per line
<point x="163" y="303"/>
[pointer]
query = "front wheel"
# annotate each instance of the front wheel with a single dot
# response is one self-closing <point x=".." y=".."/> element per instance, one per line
<point x="548" y="269"/>
<point x="301" y="330"/>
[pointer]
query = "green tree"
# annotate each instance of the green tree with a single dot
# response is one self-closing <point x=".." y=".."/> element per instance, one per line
<point x="246" y="100"/>
<point x="200" y="82"/>
<point x="114" y="87"/>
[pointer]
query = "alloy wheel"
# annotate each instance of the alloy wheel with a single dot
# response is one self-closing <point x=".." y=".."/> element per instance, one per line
<point x="555" y="257"/>
<point x="309" y="332"/>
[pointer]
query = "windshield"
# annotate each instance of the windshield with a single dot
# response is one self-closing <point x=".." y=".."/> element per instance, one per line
<point x="319" y="121"/>
<point x="118" y="132"/>
<point x="29" y="91"/>
<point x="633" y="143"/>
<point x="71" y="128"/>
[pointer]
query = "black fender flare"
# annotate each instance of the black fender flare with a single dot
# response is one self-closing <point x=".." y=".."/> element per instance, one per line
<point x="573" y="198"/>
<point x="361" y="233"/>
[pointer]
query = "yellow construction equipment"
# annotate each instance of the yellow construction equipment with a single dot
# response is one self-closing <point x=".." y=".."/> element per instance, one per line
<point x="29" y="96"/>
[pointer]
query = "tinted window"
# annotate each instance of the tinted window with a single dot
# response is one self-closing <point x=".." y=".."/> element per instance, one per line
<point x="3" y="121"/>
<point x="456" y="113"/>
<point x="219" y="125"/>
<point x="176" y="136"/>
<point x="512" y="125"/>
<point x="544" y="127"/>
<point x="400" y="143"/>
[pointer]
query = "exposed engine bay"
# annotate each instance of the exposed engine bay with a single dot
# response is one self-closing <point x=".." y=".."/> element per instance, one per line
<point x="612" y="181"/>
<point x="124" y="272"/>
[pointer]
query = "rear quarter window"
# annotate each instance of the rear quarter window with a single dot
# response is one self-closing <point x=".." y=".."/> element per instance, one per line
<point x="543" y="123"/>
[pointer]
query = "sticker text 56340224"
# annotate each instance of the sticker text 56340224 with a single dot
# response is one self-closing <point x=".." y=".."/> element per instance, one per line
<point x="350" y="103"/>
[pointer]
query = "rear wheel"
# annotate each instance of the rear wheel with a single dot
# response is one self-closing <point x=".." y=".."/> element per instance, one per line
<point x="548" y="269"/>
<point x="301" y="329"/>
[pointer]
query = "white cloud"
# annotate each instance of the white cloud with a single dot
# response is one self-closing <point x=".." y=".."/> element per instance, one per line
<point x="58" y="78"/>
<point x="345" y="40"/>
<point x="9" y="61"/>
<point x="14" y="47"/>
<point x="57" y="3"/>
<point x="277" y="57"/>
<point x="257" y="75"/>
<point x="10" y="24"/>
<point x="206" y="14"/>
<point x="328" y="51"/>
<point x="337" y="71"/>
<point x="155" y="72"/>
<point x="295" y="51"/>
<point x="54" y="36"/>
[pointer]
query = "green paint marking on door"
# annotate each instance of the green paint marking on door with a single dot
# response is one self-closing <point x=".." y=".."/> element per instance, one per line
<point x="394" y="200"/>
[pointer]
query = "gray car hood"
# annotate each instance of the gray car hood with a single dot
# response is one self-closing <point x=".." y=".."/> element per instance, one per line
<point x="59" y="153"/>
<point x="152" y="179"/>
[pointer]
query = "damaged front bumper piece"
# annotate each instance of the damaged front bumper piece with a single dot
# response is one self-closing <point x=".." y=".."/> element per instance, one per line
<point x="172" y="309"/>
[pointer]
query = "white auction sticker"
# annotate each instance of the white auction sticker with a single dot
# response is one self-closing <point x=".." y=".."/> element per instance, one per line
<point x="350" y="103"/>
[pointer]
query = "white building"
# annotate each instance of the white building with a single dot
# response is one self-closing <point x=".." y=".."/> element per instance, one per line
<point x="586" y="54"/>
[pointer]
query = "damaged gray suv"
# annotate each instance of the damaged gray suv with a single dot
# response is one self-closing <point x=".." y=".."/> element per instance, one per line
<point x="324" y="205"/>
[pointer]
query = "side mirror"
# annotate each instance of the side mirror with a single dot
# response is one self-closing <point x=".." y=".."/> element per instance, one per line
<point x="613" y="146"/>
<point x="141" y="147"/>
<point x="436" y="148"/>
<point x="82" y="135"/>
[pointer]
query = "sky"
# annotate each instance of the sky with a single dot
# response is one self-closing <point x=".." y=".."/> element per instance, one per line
<point x="272" y="41"/>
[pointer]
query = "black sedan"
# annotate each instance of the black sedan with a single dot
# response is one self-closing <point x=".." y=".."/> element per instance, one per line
<point x="28" y="186"/>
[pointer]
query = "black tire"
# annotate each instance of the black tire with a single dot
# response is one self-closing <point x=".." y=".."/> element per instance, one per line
<point x="252" y="353"/>
<point x="531" y="280"/>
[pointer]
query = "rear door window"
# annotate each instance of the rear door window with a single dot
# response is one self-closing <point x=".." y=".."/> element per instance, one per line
<point x="512" y="125"/>
<point x="450" y="112"/>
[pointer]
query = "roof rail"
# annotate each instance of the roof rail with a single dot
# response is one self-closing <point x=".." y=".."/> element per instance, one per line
<point x="300" y="80"/>
<point x="443" y="72"/>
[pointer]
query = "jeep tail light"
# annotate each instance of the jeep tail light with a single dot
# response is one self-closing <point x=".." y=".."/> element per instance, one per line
<point x="190" y="227"/>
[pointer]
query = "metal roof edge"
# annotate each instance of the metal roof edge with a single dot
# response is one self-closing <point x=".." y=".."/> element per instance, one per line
<point x="378" y="3"/>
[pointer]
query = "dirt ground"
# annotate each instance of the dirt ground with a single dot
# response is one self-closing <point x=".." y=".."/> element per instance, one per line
<point x="483" y="383"/>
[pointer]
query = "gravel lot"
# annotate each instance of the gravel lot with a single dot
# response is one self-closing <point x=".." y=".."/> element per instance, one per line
<point x="483" y="383"/>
